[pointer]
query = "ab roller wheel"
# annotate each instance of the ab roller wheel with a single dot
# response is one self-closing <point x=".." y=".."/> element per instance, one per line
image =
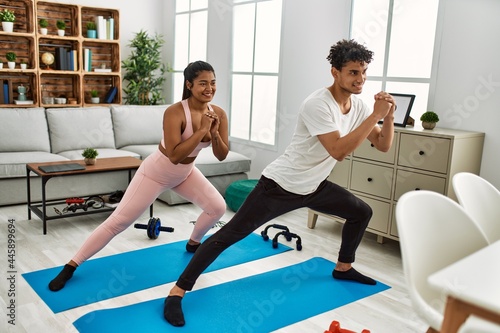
<point x="153" y="228"/>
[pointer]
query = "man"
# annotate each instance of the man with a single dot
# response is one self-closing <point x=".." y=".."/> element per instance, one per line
<point x="332" y="123"/>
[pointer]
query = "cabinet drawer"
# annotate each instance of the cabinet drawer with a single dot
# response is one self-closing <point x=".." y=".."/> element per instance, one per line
<point x="426" y="153"/>
<point x="411" y="181"/>
<point x="381" y="214"/>
<point x="340" y="173"/>
<point x="368" y="151"/>
<point x="372" y="179"/>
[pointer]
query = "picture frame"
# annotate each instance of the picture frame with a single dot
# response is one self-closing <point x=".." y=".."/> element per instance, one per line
<point x="404" y="103"/>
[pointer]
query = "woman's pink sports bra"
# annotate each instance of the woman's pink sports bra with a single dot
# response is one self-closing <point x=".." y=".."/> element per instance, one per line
<point x="188" y="131"/>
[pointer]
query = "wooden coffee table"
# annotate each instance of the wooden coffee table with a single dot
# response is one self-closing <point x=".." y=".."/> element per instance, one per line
<point x="102" y="165"/>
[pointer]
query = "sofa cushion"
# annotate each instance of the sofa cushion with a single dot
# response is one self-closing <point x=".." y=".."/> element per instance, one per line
<point x="13" y="164"/>
<point x="80" y="128"/>
<point x="209" y="165"/>
<point x="142" y="150"/>
<point x="23" y="130"/>
<point x="137" y="124"/>
<point x="103" y="153"/>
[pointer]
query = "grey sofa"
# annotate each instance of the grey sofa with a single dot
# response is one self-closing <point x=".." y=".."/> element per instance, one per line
<point x="30" y="135"/>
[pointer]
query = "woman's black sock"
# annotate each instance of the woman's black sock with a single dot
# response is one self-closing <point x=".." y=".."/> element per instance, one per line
<point x="354" y="275"/>
<point x="172" y="311"/>
<point x="61" y="279"/>
<point x="192" y="248"/>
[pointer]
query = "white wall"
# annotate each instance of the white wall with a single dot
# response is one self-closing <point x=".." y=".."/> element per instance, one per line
<point x="467" y="93"/>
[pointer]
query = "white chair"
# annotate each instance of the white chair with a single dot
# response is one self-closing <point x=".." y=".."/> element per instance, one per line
<point x="435" y="231"/>
<point x="481" y="200"/>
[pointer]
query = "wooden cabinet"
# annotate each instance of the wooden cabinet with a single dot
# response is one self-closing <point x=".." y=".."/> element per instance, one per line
<point x="418" y="160"/>
<point x="73" y="81"/>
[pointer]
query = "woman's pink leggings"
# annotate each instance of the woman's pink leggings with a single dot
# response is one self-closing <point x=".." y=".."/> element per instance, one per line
<point x="155" y="175"/>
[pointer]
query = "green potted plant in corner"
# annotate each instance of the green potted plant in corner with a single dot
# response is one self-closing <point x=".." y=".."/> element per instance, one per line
<point x="91" y="30"/>
<point x="89" y="156"/>
<point x="43" y="26"/>
<point x="94" y="96"/>
<point x="61" y="25"/>
<point x="429" y="119"/>
<point x="8" y="17"/>
<point x="11" y="59"/>
<point x="144" y="70"/>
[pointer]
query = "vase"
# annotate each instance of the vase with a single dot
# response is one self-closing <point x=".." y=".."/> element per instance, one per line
<point x="95" y="100"/>
<point x="60" y="32"/>
<point x="89" y="161"/>
<point x="11" y="64"/>
<point x="428" y="125"/>
<point x="43" y="31"/>
<point x="24" y="66"/>
<point x="91" y="33"/>
<point x="8" y="26"/>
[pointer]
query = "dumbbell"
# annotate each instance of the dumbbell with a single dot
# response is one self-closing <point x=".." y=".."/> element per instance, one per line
<point x="153" y="227"/>
<point x="288" y="235"/>
<point x="277" y="226"/>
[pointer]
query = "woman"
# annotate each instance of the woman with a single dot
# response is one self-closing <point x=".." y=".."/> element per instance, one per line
<point x="188" y="127"/>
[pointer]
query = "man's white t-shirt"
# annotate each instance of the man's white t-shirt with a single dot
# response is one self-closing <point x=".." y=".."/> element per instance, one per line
<point x="305" y="162"/>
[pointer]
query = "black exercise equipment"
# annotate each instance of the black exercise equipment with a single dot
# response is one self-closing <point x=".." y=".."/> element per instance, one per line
<point x="277" y="226"/>
<point x="287" y="235"/>
<point x="153" y="227"/>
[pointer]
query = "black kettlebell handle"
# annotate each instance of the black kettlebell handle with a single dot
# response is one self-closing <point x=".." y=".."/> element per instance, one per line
<point x="277" y="226"/>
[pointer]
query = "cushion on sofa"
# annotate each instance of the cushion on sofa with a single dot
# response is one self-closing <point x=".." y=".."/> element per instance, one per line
<point x="13" y="164"/>
<point x="209" y="165"/>
<point x="137" y="124"/>
<point x="79" y="128"/>
<point x="142" y="150"/>
<point x="23" y="130"/>
<point x="103" y="153"/>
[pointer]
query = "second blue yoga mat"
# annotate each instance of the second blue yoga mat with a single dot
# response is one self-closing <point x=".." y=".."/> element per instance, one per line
<point x="116" y="275"/>
<point x="259" y="304"/>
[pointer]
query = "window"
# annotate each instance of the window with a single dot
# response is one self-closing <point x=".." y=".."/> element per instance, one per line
<point x="255" y="69"/>
<point x="191" y="18"/>
<point x="401" y="33"/>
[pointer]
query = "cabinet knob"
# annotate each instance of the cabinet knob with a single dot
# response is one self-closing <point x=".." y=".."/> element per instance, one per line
<point x="370" y="179"/>
<point x="421" y="152"/>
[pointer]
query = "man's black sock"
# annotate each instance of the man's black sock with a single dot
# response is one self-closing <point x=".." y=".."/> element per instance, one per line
<point x="354" y="275"/>
<point x="172" y="311"/>
<point x="61" y="279"/>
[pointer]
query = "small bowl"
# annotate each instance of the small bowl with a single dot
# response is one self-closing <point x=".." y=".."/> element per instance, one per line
<point x="60" y="100"/>
<point x="48" y="100"/>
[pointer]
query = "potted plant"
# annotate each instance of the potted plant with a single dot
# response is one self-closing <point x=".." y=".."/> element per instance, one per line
<point x="24" y="65"/>
<point x="11" y="59"/>
<point x="91" y="30"/>
<point x="8" y="17"/>
<point x="89" y="156"/>
<point x="429" y="119"/>
<point x="43" y="26"/>
<point x="144" y="70"/>
<point x="61" y="25"/>
<point x="94" y="96"/>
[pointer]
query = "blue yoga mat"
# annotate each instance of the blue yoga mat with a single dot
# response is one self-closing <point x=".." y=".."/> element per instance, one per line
<point x="116" y="275"/>
<point x="259" y="303"/>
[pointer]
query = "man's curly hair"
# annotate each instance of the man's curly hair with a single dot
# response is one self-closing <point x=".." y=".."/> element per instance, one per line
<point x="348" y="50"/>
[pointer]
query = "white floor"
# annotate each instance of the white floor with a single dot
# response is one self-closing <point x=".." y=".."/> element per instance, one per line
<point x="386" y="312"/>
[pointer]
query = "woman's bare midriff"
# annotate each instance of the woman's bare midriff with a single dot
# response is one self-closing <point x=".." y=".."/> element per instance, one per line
<point x="187" y="160"/>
